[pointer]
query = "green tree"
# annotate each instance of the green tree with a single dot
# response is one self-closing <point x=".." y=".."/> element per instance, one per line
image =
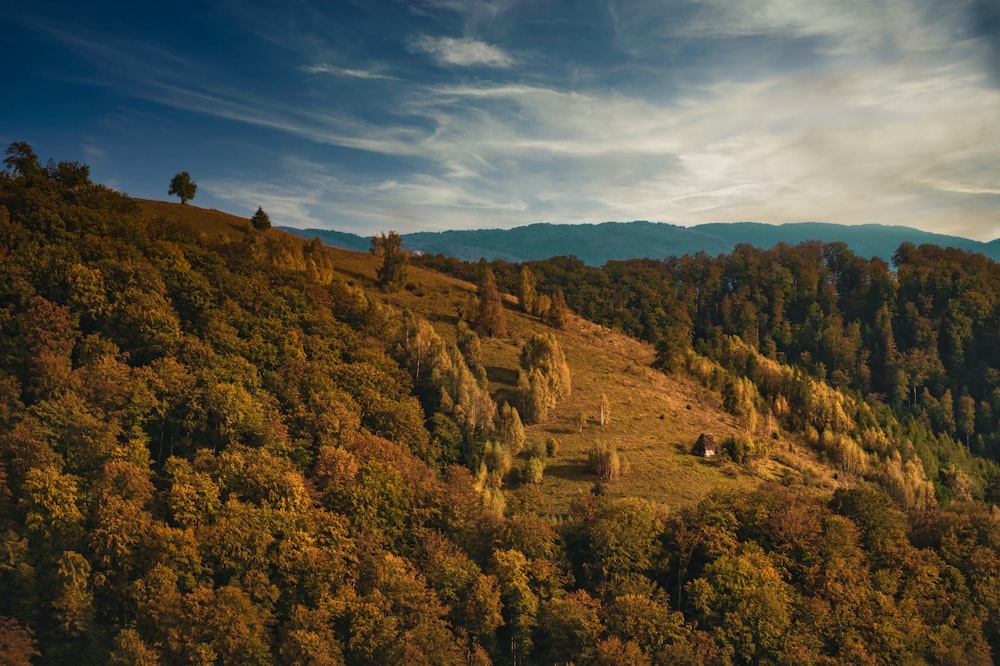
<point x="260" y="220"/>
<point x="392" y="273"/>
<point x="520" y="605"/>
<point x="70" y="174"/>
<point x="21" y="159"/>
<point x="743" y="598"/>
<point x="182" y="186"/>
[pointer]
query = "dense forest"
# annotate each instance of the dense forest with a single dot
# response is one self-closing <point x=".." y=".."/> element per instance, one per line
<point x="215" y="450"/>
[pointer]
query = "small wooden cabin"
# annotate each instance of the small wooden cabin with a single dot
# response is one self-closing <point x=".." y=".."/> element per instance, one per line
<point x="705" y="446"/>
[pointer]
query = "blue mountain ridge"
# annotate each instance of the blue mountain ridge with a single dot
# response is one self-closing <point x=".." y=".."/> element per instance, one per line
<point x="596" y="244"/>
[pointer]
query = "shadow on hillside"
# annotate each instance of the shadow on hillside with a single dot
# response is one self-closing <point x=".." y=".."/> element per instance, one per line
<point x="354" y="274"/>
<point x="568" y="471"/>
<point x="500" y="375"/>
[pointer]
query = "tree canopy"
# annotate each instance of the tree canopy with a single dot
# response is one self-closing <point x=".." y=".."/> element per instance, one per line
<point x="260" y="221"/>
<point x="182" y="186"/>
<point x="392" y="273"/>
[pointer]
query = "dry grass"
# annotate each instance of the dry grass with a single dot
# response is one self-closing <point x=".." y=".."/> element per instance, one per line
<point x="214" y="224"/>
<point x="655" y="418"/>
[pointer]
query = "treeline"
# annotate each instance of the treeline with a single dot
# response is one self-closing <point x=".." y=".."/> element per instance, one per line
<point x="214" y="451"/>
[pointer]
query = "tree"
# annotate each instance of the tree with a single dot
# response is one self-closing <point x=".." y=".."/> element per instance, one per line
<point x="70" y="174"/>
<point x="260" y="220"/>
<point x="492" y="320"/>
<point x="558" y="315"/>
<point x="182" y="186"/>
<point x="526" y="290"/>
<point x="511" y="429"/>
<point x="520" y="605"/>
<point x="21" y="159"/>
<point x="392" y="273"/>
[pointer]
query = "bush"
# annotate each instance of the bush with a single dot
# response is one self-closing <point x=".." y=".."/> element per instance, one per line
<point x="533" y="470"/>
<point x="551" y="447"/>
<point x="536" y="449"/>
<point x="741" y="449"/>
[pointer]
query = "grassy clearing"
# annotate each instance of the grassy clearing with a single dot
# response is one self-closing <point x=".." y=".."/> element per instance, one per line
<point x="655" y="418"/>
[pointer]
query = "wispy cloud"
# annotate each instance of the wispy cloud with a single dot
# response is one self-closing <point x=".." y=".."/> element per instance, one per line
<point x="685" y="112"/>
<point x="462" y="52"/>
<point x="324" y="68"/>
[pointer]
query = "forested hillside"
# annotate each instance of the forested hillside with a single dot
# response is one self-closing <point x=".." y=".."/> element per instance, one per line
<point x="220" y="445"/>
<point x="921" y="337"/>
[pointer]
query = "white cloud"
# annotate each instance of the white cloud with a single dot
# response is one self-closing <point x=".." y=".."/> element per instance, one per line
<point x="462" y="52"/>
<point x="324" y="68"/>
<point x="890" y="123"/>
<point x="852" y="25"/>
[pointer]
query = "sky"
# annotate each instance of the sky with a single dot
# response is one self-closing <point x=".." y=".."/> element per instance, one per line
<point x="368" y="116"/>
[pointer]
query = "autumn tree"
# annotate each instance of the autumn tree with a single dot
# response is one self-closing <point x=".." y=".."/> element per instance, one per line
<point x="558" y="314"/>
<point x="543" y="351"/>
<point x="182" y="186"/>
<point x="492" y="319"/>
<point x="391" y="275"/>
<point x="520" y="603"/>
<point x="526" y="289"/>
<point x="511" y="431"/>
<point x="544" y="378"/>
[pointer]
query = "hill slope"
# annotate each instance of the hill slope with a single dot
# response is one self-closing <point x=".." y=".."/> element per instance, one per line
<point x="655" y="420"/>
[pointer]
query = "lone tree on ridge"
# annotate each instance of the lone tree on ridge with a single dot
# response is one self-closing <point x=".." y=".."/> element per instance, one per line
<point x="182" y="186"/>
<point x="260" y="220"/>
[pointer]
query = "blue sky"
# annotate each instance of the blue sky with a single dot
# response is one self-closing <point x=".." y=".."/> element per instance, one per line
<point x="443" y="114"/>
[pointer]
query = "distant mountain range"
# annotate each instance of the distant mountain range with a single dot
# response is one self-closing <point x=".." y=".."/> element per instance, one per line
<point x="596" y="244"/>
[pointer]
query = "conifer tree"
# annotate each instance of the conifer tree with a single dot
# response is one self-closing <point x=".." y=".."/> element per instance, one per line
<point x="492" y="319"/>
<point x="260" y="220"/>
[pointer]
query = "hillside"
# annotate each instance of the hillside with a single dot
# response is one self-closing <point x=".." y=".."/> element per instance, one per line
<point x="655" y="420"/>
<point x="656" y="417"/>
<point x="232" y="446"/>
<point x="596" y="244"/>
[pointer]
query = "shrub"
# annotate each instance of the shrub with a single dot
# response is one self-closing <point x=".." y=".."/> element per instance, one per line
<point x="533" y="470"/>
<point x="741" y="449"/>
